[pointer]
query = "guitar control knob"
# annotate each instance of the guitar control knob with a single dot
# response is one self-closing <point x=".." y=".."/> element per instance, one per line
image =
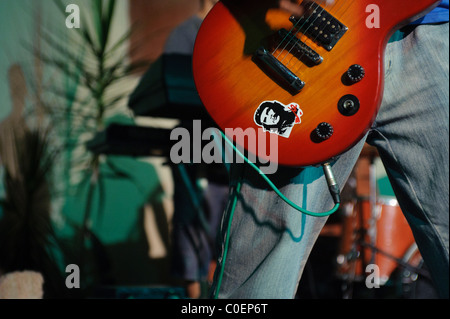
<point x="355" y="73"/>
<point x="324" y="131"/>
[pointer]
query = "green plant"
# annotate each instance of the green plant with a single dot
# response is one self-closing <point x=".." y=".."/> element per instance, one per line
<point x="89" y="94"/>
<point x="27" y="238"/>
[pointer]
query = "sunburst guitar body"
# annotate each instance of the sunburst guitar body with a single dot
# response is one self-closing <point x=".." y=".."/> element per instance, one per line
<point x="315" y="82"/>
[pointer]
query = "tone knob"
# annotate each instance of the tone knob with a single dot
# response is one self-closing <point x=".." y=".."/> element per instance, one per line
<point x="355" y="73"/>
<point x="324" y="131"/>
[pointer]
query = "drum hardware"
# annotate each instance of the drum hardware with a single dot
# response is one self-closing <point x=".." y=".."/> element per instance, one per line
<point x="408" y="268"/>
<point x="374" y="232"/>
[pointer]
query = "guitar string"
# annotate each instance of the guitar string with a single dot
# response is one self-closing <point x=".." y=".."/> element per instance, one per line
<point x="336" y="11"/>
<point x="298" y="30"/>
<point x="287" y="35"/>
<point x="305" y="38"/>
<point x="284" y="39"/>
<point x="298" y="40"/>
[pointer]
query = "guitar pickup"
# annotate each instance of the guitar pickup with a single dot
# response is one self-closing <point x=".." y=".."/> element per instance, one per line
<point x="298" y="48"/>
<point x="320" y="26"/>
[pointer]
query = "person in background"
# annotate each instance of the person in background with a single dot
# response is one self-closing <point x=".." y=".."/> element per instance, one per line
<point x="195" y="225"/>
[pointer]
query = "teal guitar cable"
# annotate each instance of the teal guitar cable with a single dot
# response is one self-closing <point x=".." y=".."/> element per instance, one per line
<point x="334" y="189"/>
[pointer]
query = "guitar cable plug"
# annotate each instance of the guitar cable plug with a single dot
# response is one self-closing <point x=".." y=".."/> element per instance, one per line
<point x="332" y="184"/>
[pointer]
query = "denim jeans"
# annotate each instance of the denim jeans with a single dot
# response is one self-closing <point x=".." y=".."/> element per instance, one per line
<point x="270" y="241"/>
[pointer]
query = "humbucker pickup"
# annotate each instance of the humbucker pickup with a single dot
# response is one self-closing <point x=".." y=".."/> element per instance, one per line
<point x="298" y="48"/>
<point x="320" y="26"/>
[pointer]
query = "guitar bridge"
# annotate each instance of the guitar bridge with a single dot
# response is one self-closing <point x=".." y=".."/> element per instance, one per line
<point x="277" y="71"/>
<point x="320" y="26"/>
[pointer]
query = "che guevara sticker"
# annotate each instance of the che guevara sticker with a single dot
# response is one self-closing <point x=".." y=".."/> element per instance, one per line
<point x="278" y="118"/>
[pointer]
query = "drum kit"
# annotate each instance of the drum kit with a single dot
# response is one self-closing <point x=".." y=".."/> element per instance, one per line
<point x="374" y="233"/>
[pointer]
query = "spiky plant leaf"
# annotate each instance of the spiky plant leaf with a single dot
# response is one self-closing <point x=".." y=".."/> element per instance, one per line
<point x="27" y="238"/>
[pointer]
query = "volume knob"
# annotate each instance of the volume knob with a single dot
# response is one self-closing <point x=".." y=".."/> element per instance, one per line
<point x="324" y="131"/>
<point x="355" y="73"/>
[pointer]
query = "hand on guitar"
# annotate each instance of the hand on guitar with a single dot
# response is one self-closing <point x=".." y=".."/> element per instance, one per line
<point x="294" y="8"/>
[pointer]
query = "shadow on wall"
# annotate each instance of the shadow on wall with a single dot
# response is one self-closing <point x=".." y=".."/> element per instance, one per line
<point x="147" y="249"/>
<point x="27" y="237"/>
<point x="128" y="242"/>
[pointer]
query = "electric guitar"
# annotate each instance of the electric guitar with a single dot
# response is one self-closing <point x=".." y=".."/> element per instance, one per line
<point x="314" y="82"/>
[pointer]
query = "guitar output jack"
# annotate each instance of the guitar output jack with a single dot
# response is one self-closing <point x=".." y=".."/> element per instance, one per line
<point x="348" y="105"/>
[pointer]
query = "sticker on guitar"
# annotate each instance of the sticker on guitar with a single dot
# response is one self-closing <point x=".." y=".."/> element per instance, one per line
<point x="277" y="118"/>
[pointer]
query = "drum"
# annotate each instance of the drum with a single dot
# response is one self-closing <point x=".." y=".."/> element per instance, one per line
<point x="372" y="234"/>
